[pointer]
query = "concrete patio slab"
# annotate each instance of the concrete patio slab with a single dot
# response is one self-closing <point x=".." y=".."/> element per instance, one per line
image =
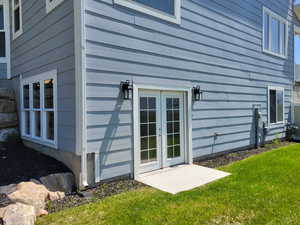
<point x="181" y="178"/>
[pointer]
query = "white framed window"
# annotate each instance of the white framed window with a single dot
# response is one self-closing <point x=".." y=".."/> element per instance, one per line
<point x="275" y="105"/>
<point x="5" y="35"/>
<point x="275" y="34"/>
<point x="168" y="10"/>
<point x="17" y="25"/>
<point x="52" y="4"/>
<point x="39" y="108"/>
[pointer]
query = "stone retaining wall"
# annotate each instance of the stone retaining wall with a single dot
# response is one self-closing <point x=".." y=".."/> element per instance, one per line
<point x="8" y="116"/>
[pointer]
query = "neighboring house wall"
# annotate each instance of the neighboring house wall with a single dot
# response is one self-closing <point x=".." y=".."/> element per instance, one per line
<point x="47" y="43"/>
<point x="218" y="45"/>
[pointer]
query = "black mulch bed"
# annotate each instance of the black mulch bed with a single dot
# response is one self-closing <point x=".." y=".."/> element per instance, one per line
<point x="228" y="158"/>
<point x="94" y="194"/>
<point x="18" y="163"/>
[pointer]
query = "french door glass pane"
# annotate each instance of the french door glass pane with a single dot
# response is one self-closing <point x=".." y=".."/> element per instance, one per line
<point x="27" y="122"/>
<point x="1" y="18"/>
<point x="50" y="125"/>
<point x="279" y="98"/>
<point x="37" y="121"/>
<point x="148" y="125"/>
<point x="173" y="127"/>
<point x="273" y="106"/>
<point x="36" y="95"/>
<point x="48" y="89"/>
<point x="26" y="96"/>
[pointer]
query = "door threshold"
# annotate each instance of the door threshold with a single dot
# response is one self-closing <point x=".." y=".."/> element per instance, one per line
<point x="150" y="173"/>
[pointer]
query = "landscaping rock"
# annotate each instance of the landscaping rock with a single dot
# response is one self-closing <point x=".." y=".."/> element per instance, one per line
<point x="19" y="214"/>
<point x="8" y="189"/>
<point x="63" y="182"/>
<point x="33" y="194"/>
<point x="2" y="212"/>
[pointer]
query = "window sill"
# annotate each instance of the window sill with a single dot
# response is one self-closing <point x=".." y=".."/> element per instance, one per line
<point x="51" y="6"/>
<point x="17" y="34"/>
<point x="152" y="12"/>
<point x="274" y="54"/>
<point x="40" y="141"/>
<point x="276" y="125"/>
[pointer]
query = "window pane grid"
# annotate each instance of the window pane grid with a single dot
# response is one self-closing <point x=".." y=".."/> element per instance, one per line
<point x="148" y="127"/>
<point x="39" y="122"/>
<point x="173" y="128"/>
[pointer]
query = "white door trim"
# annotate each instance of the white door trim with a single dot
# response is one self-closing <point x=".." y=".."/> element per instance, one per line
<point x="188" y="113"/>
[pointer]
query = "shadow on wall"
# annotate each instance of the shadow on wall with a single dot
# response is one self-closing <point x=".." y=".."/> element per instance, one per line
<point x="110" y="135"/>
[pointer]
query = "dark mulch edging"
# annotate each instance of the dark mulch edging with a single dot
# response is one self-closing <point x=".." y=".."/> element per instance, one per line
<point x="228" y="158"/>
<point x="116" y="187"/>
<point x="19" y="163"/>
<point x="94" y="194"/>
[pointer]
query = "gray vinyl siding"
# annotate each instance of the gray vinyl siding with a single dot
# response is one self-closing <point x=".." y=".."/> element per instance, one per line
<point x="3" y="71"/>
<point x="47" y="43"/>
<point x="218" y="45"/>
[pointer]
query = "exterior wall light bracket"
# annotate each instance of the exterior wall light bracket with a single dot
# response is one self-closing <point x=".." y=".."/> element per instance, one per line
<point x="197" y="93"/>
<point x="126" y="88"/>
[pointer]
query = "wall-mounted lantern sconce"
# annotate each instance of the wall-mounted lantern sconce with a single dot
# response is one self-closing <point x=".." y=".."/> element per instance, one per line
<point x="126" y="87"/>
<point x="197" y="93"/>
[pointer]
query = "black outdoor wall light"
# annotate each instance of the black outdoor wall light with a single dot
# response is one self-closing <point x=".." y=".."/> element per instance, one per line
<point x="126" y="87"/>
<point x="197" y="93"/>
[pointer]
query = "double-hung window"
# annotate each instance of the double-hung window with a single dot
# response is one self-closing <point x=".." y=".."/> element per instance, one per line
<point x="17" y="18"/>
<point x="39" y="108"/>
<point x="168" y="10"/>
<point x="276" y="105"/>
<point x="275" y="34"/>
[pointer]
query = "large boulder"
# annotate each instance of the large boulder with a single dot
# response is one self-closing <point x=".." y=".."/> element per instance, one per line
<point x="35" y="195"/>
<point x="19" y="214"/>
<point x="63" y="182"/>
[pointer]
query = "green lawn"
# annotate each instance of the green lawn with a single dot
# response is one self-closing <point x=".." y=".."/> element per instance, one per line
<point x="263" y="189"/>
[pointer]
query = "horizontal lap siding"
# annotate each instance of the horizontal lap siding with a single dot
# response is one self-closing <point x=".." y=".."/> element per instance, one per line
<point x="3" y="70"/>
<point x="218" y="46"/>
<point x="47" y="43"/>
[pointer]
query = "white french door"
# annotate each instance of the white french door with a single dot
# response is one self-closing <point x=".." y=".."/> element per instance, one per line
<point x="161" y="129"/>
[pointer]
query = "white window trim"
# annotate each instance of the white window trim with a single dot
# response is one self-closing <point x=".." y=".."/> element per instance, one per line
<point x="277" y="124"/>
<point x="282" y="20"/>
<point x="52" y="5"/>
<point x="19" y="32"/>
<point x="39" y="78"/>
<point x="154" y="12"/>
<point x="6" y="59"/>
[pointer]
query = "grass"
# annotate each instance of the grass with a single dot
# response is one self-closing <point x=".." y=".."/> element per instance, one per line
<point x="263" y="189"/>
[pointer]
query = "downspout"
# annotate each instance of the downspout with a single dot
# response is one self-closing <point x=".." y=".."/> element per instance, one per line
<point x="80" y="82"/>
